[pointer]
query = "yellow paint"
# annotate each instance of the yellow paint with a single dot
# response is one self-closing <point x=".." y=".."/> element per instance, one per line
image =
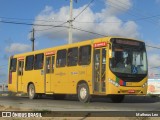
<point x="64" y="80"/>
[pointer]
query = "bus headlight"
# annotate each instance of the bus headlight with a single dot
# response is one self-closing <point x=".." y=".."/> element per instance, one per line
<point x="144" y="84"/>
<point x="116" y="84"/>
<point x="113" y="82"/>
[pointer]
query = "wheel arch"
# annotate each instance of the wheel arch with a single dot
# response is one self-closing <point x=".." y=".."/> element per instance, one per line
<point x="80" y="82"/>
<point x="28" y="86"/>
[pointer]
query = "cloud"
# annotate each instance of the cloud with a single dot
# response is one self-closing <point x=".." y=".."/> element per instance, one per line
<point x="104" y="22"/>
<point x="153" y="57"/>
<point x="152" y="49"/>
<point x="117" y="6"/>
<point x="153" y="60"/>
<point x="153" y="63"/>
<point x="17" y="47"/>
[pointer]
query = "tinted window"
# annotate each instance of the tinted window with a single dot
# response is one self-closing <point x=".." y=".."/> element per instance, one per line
<point x="53" y="57"/>
<point x="72" y="56"/>
<point x="29" y="62"/>
<point x="20" y="67"/>
<point x="49" y="64"/>
<point x="13" y="64"/>
<point x="61" y="58"/>
<point x="85" y="55"/>
<point x="38" y="64"/>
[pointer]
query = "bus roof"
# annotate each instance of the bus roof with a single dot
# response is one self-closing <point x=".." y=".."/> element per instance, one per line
<point x="76" y="44"/>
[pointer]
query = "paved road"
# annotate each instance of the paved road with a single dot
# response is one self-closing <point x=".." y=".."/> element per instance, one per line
<point x="130" y="103"/>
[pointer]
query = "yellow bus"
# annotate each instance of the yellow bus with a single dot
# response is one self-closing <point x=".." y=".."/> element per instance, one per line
<point x="109" y="66"/>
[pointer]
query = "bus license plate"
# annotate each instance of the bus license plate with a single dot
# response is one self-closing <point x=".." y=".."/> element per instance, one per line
<point x="129" y="84"/>
<point x="131" y="91"/>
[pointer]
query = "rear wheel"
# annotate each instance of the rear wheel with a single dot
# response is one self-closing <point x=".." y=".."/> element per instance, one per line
<point x="83" y="93"/>
<point x="31" y="92"/>
<point x="117" y="98"/>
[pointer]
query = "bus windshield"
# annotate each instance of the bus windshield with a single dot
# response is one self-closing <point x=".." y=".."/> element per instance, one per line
<point x="128" y="57"/>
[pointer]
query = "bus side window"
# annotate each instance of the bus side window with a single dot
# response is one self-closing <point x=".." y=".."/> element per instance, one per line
<point x="53" y="57"/>
<point x="48" y="64"/>
<point x="61" y="58"/>
<point x="85" y="55"/>
<point x="38" y="64"/>
<point x="20" y="69"/>
<point x="29" y="62"/>
<point x="13" y="64"/>
<point x="72" y="56"/>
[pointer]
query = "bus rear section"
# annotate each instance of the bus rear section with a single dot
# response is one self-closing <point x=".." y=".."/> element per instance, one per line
<point x="12" y="75"/>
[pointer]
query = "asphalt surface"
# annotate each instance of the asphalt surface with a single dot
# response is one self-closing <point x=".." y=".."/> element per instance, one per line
<point x="130" y="103"/>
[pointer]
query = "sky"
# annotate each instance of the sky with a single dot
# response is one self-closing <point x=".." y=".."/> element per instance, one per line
<point x="138" y="19"/>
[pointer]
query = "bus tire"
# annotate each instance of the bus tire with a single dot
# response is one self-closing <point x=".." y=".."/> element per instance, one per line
<point x="31" y="92"/>
<point x="83" y="93"/>
<point x="117" y="98"/>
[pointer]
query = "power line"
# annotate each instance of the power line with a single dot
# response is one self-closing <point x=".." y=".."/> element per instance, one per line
<point x="153" y="47"/>
<point x="30" y="24"/>
<point x="128" y="12"/>
<point x="138" y="19"/>
<point x="20" y="23"/>
<point x="83" y="10"/>
<point x="147" y="17"/>
<point x="136" y="9"/>
<point x="51" y="27"/>
<point x="23" y="23"/>
<point x="89" y="32"/>
<point x="154" y="67"/>
<point x="80" y="29"/>
<point x="11" y="18"/>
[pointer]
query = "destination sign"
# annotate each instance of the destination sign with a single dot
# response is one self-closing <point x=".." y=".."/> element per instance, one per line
<point x="100" y="44"/>
<point x="50" y="53"/>
<point x="127" y="42"/>
<point x="21" y="58"/>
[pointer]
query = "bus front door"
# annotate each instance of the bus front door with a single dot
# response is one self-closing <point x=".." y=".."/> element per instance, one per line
<point x="49" y="72"/>
<point x="99" y="70"/>
<point x="20" y="75"/>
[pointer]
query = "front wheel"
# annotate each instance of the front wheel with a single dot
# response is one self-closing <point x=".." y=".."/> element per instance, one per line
<point x="83" y="93"/>
<point x="117" y="98"/>
<point x="31" y="92"/>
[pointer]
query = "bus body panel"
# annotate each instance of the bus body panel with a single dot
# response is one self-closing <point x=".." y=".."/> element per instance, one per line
<point x="13" y="86"/>
<point x="64" y="80"/>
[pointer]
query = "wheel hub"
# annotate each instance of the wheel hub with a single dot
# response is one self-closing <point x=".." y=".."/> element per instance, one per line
<point x="31" y="92"/>
<point x="83" y="93"/>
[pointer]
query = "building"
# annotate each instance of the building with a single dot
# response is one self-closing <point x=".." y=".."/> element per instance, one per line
<point x="3" y="87"/>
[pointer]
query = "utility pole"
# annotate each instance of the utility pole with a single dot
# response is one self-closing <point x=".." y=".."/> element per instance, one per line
<point x="70" y="22"/>
<point x="32" y="39"/>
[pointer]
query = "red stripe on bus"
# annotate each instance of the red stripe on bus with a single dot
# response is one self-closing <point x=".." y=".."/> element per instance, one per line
<point x="100" y="44"/>
<point x="21" y="58"/>
<point x="50" y="53"/>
